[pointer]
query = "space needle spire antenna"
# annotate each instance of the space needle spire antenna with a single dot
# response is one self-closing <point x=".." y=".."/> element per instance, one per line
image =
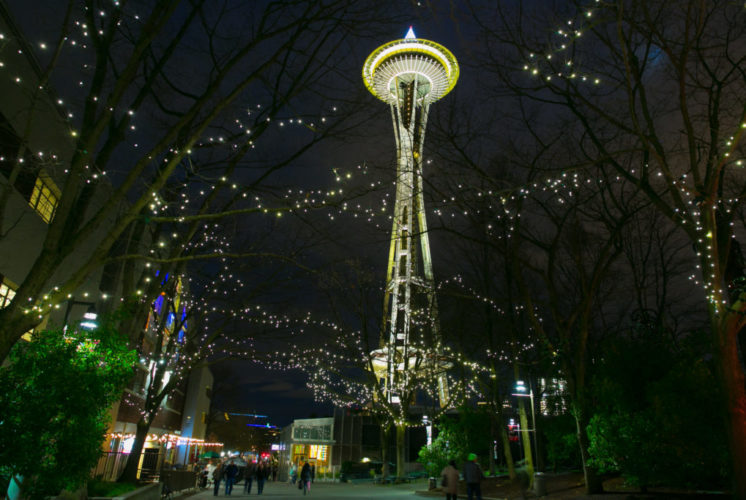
<point x="409" y="75"/>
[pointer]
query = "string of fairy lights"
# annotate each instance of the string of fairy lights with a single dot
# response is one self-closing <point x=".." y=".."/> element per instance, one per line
<point x="324" y="364"/>
<point x="174" y="439"/>
<point x="692" y="214"/>
<point x="553" y="185"/>
<point x="556" y="62"/>
<point x="173" y="360"/>
<point x="81" y="40"/>
<point x="694" y="209"/>
<point x="338" y="371"/>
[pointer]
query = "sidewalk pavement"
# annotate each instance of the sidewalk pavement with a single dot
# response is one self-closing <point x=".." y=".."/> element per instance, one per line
<point x="369" y="491"/>
<point x="320" y="490"/>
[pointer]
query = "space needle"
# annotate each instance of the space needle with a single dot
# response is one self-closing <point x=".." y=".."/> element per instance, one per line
<point x="409" y="75"/>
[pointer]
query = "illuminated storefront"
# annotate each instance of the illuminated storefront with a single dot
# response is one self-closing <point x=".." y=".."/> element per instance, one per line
<point x="158" y="449"/>
<point x="349" y="436"/>
<point x="307" y="440"/>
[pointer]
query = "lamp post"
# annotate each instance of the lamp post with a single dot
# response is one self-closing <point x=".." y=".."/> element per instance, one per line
<point x="89" y="317"/>
<point x="428" y="429"/>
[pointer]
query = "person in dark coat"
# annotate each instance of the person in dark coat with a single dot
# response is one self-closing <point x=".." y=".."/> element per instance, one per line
<point x="473" y="477"/>
<point x="261" y="475"/>
<point x="305" y="478"/>
<point x="248" y="478"/>
<point x="217" y="475"/>
<point x="231" y="471"/>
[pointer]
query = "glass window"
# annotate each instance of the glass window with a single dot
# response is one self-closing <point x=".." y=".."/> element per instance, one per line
<point x="44" y="197"/>
<point x="7" y="292"/>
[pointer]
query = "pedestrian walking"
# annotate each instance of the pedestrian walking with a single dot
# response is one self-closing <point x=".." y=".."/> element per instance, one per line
<point x="473" y="476"/>
<point x="208" y="472"/>
<point x="248" y="478"/>
<point x="313" y="472"/>
<point x="305" y="478"/>
<point x="231" y="471"/>
<point x="217" y="476"/>
<point x="261" y="475"/>
<point x="293" y="474"/>
<point x="449" y="481"/>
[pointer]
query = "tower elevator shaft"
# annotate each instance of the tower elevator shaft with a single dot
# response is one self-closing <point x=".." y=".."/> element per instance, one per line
<point x="410" y="308"/>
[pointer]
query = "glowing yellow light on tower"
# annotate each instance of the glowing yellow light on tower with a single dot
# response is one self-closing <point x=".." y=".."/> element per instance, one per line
<point x="410" y="55"/>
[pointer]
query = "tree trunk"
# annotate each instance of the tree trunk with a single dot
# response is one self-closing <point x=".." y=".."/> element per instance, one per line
<point x="539" y="463"/>
<point x="733" y="383"/>
<point x="508" y="453"/>
<point x="385" y="434"/>
<point x="493" y="433"/>
<point x="7" y="341"/>
<point x="129" y="474"/>
<point x="526" y="440"/>
<point x="593" y="483"/>
<point x="13" y="321"/>
<point x="575" y="369"/>
<point x="401" y="449"/>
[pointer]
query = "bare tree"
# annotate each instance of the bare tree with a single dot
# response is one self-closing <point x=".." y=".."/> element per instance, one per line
<point x="179" y="71"/>
<point x="343" y="369"/>
<point x="555" y="243"/>
<point x="654" y="94"/>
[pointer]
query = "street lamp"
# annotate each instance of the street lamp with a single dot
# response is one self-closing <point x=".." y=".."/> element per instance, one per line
<point x="428" y="429"/>
<point x="89" y="318"/>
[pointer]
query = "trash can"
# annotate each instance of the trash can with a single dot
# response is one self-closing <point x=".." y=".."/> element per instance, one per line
<point x="540" y="484"/>
<point x="432" y="483"/>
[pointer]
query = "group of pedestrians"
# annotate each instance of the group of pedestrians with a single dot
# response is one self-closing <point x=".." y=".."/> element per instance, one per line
<point x="258" y="473"/>
<point x="229" y="471"/>
<point x="473" y="476"/>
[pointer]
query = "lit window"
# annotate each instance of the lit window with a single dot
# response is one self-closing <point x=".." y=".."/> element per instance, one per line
<point x="44" y="197"/>
<point x="7" y="292"/>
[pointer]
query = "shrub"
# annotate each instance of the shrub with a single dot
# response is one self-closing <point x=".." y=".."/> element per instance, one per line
<point x="561" y="442"/>
<point x="50" y="434"/>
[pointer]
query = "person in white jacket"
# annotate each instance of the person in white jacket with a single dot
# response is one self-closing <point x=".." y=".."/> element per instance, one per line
<point x="210" y="469"/>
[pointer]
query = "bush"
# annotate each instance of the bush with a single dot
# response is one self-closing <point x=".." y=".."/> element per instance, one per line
<point x="561" y="442"/>
<point x="50" y="434"/>
<point x="456" y="438"/>
<point x="659" y="425"/>
<point x="434" y="458"/>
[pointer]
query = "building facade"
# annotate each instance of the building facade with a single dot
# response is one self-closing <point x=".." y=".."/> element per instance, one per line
<point x="349" y="436"/>
<point x="36" y="144"/>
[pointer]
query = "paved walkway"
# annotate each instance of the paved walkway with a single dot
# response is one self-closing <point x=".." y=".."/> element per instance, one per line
<point x="411" y="491"/>
<point x="320" y="491"/>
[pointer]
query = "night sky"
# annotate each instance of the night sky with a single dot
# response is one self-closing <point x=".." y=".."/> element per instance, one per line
<point x="365" y="144"/>
<point x="583" y="185"/>
<point x="243" y="386"/>
<point x="283" y="395"/>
